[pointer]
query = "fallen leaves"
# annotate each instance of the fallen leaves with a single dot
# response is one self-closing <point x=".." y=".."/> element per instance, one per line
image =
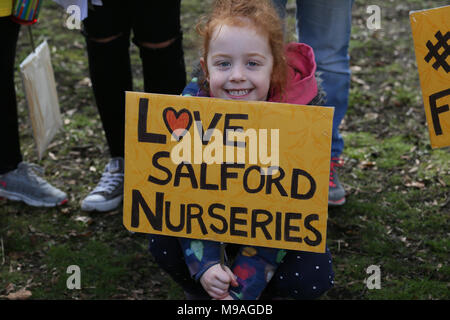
<point x="371" y="116"/>
<point x="84" y="219"/>
<point x="367" y="165"/>
<point x="415" y="184"/>
<point x="22" y="294"/>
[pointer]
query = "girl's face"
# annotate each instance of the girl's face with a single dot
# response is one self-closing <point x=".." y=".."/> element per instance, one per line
<point x="240" y="64"/>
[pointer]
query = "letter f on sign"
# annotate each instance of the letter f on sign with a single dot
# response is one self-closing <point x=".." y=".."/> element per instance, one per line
<point x="436" y="110"/>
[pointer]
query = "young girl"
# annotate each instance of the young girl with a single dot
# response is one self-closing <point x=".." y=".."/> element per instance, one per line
<point x="244" y="58"/>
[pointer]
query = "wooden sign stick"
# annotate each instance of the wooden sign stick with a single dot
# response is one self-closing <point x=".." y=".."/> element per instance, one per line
<point x="222" y="255"/>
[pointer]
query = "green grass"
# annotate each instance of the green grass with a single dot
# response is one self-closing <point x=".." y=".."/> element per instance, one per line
<point x="397" y="210"/>
<point x="101" y="270"/>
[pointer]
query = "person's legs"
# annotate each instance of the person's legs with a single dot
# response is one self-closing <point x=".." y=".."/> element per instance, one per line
<point x="157" y="33"/>
<point x="110" y="72"/>
<point x="107" y="34"/>
<point x="325" y="25"/>
<point x="301" y="275"/>
<point x="168" y="254"/>
<point x="18" y="180"/>
<point x="9" y="128"/>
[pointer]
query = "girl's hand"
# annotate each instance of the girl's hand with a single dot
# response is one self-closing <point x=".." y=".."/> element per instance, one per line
<point x="216" y="281"/>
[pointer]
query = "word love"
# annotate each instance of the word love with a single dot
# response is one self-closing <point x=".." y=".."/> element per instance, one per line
<point x="211" y="146"/>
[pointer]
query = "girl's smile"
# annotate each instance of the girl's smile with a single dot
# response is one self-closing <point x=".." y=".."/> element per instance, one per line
<point x="238" y="93"/>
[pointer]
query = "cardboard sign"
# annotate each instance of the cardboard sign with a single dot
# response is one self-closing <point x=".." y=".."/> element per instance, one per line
<point x="243" y="172"/>
<point x="431" y="33"/>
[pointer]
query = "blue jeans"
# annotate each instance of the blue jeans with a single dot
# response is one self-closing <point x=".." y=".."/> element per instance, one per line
<point x="325" y="25"/>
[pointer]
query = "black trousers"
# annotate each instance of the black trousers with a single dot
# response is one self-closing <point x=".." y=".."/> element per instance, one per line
<point x="10" y="155"/>
<point x="109" y="62"/>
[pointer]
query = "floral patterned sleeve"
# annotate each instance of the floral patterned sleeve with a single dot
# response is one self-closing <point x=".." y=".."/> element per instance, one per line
<point x="254" y="268"/>
<point x="200" y="255"/>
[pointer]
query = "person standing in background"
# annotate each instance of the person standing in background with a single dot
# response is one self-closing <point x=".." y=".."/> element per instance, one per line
<point x="325" y="25"/>
<point x="19" y="180"/>
<point x="107" y="29"/>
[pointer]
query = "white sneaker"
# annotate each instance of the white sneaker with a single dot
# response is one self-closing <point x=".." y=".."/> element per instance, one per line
<point x="108" y="193"/>
<point x="23" y="184"/>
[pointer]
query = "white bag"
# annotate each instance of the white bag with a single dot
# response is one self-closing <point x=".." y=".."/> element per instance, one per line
<point x="42" y="98"/>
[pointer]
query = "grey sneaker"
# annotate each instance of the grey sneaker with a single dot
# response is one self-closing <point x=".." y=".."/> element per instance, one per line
<point x="108" y="194"/>
<point x="23" y="184"/>
<point x="336" y="193"/>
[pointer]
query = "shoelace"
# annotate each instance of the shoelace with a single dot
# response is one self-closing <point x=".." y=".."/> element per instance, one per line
<point x="335" y="163"/>
<point x="32" y="171"/>
<point x="108" y="182"/>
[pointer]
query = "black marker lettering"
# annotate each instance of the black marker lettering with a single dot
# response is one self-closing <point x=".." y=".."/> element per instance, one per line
<point x="218" y="217"/>
<point x="227" y="127"/>
<point x="234" y="221"/>
<point x="261" y="224"/>
<point x="245" y="179"/>
<point x="436" y="110"/>
<point x="206" y="137"/>
<point x="198" y="216"/>
<point x="155" y="219"/>
<point x="143" y="135"/>
<point x="294" y="185"/>
<point x="169" y="225"/>
<point x="156" y="156"/>
<point x="288" y="227"/>
<point x="308" y="220"/>
<point x="190" y="174"/>
<point x="271" y="180"/>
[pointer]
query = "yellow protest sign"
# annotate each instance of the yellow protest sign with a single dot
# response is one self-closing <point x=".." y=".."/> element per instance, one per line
<point x="431" y="33"/>
<point x="243" y="172"/>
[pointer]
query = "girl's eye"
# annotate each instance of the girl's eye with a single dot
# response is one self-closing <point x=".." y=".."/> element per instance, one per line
<point x="253" y="64"/>
<point x="223" y="64"/>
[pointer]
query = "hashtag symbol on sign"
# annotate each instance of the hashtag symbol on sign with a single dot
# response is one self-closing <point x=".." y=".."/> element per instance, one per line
<point x="442" y="43"/>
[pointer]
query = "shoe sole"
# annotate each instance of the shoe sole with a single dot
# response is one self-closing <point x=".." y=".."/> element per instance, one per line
<point x="101" y="206"/>
<point x="336" y="203"/>
<point x="29" y="201"/>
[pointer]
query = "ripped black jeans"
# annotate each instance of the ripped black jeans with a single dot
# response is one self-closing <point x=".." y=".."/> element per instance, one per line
<point x="9" y="128"/>
<point x="107" y="31"/>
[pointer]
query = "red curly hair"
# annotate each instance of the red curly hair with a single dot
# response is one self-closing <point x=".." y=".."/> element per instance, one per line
<point x="257" y="14"/>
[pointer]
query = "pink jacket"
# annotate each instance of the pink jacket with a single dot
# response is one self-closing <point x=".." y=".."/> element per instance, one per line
<point x="301" y="86"/>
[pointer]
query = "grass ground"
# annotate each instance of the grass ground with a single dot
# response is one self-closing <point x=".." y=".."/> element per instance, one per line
<point x="398" y="195"/>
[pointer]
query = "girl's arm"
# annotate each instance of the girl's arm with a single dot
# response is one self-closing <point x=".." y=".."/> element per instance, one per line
<point x="200" y="255"/>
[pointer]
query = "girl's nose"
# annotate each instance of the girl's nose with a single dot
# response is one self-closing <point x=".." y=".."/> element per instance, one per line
<point x="237" y="74"/>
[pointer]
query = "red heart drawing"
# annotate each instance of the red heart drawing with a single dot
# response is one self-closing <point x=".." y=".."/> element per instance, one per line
<point x="178" y="123"/>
